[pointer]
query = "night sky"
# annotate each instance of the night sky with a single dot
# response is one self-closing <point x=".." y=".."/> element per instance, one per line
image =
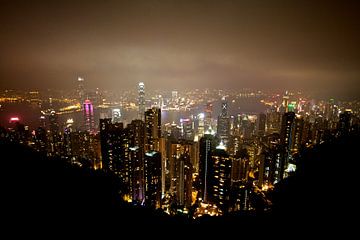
<point x="182" y="44"/>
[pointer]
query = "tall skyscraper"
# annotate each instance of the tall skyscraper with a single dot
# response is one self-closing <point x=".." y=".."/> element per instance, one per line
<point x="223" y="128"/>
<point x="141" y="100"/>
<point x="181" y="171"/>
<point x="116" y="115"/>
<point x="344" y="122"/>
<point x="286" y="139"/>
<point x="152" y="129"/>
<point x="261" y="123"/>
<point x="81" y="89"/>
<point x="137" y="154"/>
<point x="222" y="177"/>
<point x="187" y="130"/>
<point x="54" y="137"/>
<point x="206" y="167"/>
<point x="208" y="115"/>
<point x="89" y="119"/>
<point x="153" y="178"/>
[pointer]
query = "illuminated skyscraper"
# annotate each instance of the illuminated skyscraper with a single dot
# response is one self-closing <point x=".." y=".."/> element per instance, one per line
<point x="136" y="136"/>
<point x="206" y="168"/>
<point x="152" y="129"/>
<point x="141" y="100"/>
<point x="285" y="103"/>
<point x="54" y="137"/>
<point x="223" y="128"/>
<point x="81" y="89"/>
<point x="187" y="130"/>
<point x="286" y="138"/>
<point x="152" y="171"/>
<point x="222" y="177"/>
<point x="115" y="115"/>
<point x="261" y="123"/>
<point x="208" y="115"/>
<point x="181" y="171"/>
<point x="89" y="120"/>
<point x="344" y="122"/>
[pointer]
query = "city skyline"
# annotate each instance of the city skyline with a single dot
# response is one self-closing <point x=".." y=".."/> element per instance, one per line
<point x="153" y="112"/>
<point x="232" y="44"/>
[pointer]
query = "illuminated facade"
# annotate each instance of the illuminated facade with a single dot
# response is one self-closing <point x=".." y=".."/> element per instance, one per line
<point x="152" y="129"/>
<point x="141" y="100"/>
<point x="89" y="119"/>
<point x="222" y="177"/>
<point x="223" y="127"/>
<point x="153" y="178"/>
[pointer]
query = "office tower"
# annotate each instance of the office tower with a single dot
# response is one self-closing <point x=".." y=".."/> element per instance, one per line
<point x="344" y="122"/>
<point x="114" y="142"/>
<point x="201" y="125"/>
<point x="184" y="184"/>
<point x="240" y="166"/>
<point x="40" y="140"/>
<point x="222" y="175"/>
<point x="206" y="167"/>
<point x="115" y="115"/>
<point x="136" y="156"/>
<point x="137" y="175"/>
<point x="223" y="128"/>
<point x="54" y="135"/>
<point x="297" y="134"/>
<point x="153" y="177"/>
<point x="89" y="120"/>
<point x="67" y="138"/>
<point x="164" y="165"/>
<point x="152" y="129"/>
<point x="273" y="122"/>
<point x="187" y="129"/>
<point x="141" y="100"/>
<point x="261" y="123"/>
<point x="181" y="172"/>
<point x="286" y="138"/>
<point x="285" y="103"/>
<point x="81" y="90"/>
<point x="208" y="115"/>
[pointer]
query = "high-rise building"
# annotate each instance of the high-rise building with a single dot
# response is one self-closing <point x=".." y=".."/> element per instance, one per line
<point x="208" y="115"/>
<point x="285" y="103"/>
<point x="40" y="140"/>
<point x="286" y="140"/>
<point x="222" y="175"/>
<point x="181" y="172"/>
<point x="54" y="135"/>
<point x="67" y="138"/>
<point x="152" y="129"/>
<point x="115" y="115"/>
<point x="223" y="127"/>
<point x="261" y="123"/>
<point x="112" y="147"/>
<point x="153" y="178"/>
<point x="141" y="100"/>
<point x="344" y="122"/>
<point x="187" y="129"/>
<point x="206" y="168"/>
<point x="81" y="89"/>
<point x="89" y="120"/>
<point x="137" y="154"/>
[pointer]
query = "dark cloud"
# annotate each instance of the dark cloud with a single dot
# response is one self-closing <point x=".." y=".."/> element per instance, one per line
<point x="172" y="44"/>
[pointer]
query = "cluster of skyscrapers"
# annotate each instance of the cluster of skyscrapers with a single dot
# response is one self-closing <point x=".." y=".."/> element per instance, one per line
<point x="201" y="166"/>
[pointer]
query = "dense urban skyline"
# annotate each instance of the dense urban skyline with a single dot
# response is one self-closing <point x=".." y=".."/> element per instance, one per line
<point x="172" y="44"/>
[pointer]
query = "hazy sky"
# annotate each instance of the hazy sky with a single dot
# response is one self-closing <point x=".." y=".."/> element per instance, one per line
<point x="181" y="44"/>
